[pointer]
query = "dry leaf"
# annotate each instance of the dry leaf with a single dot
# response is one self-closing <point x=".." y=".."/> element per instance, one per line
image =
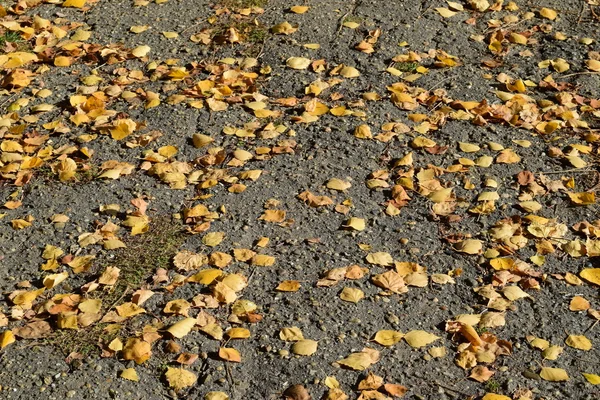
<point x="182" y="327"/>
<point x="352" y="295"/>
<point x="417" y="339"/>
<point x="579" y="342"/>
<point x="388" y="337"/>
<point x="230" y="354"/>
<point x="296" y="392"/>
<point x="554" y="374"/>
<point x="130" y="374"/>
<point x="305" y="347"/>
<point x="179" y="378"/>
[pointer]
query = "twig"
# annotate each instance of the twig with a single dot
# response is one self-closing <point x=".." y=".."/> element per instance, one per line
<point x="565" y="171"/>
<point x="591" y="326"/>
<point x="9" y="99"/>
<point x="355" y="5"/>
<point x="580" y="17"/>
<point x="116" y="301"/>
<point x="450" y="388"/>
<point x="341" y="24"/>
<point x="580" y="73"/>
<point x="440" y="82"/>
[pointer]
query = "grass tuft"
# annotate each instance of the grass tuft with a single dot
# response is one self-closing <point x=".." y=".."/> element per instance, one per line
<point x="143" y="256"/>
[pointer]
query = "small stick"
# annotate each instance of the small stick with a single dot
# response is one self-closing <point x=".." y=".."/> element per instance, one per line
<point x="450" y="388"/>
<point x="591" y="326"/>
<point x="581" y="73"/>
<point x="579" y="171"/>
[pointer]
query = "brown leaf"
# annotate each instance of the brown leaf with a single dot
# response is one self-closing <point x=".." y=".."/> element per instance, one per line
<point x="395" y="390"/>
<point x="296" y="392"/>
<point x="481" y="373"/>
<point x="33" y="330"/>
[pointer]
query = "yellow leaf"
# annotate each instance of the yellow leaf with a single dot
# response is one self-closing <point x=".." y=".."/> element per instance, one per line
<point x="388" y="337"/>
<point x="213" y="330"/>
<point x="53" y="280"/>
<point x="213" y="239"/>
<point x="62" y="61"/>
<point x="592" y="378"/>
<point x="273" y="216"/>
<point x="349" y="72"/>
<point x="440" y="196"/>
<point x="357" y="361"/>
<point x="305" y="347"/>
<point x="137" y="350"/>
<point x="292" y="334"/>
<point x="579" y="303"/>
<point x="182" y="327"/>
<point x="129" y="309"/>
<point x="199" y="140"/>
<point x="469" y="246"/>
<point x="288" y="286"/>
<point x="298" y="62"/>
<point x="576" y="161"/>
<point x="579" y="342"/>
<point x="140" y="51"/>
<point x="139" y="28"/>
<point x="6" y="338"/>
<point x="446" y="13"/>
<point x="130" y="374"/>
<point x="502" y="264"/>
<point x="74" y="3"/>
<point x="363" y="132"/>
<point x="593" y="65"/>
<point x="123" y="128"/>
<point x="548" y="13"/>
<point x="262" y="260"/>
<point x="357" y="224"/>
<point x="338" y="184"/>
<point x="216" y="396"/>
<point x="419" y="338"/>
<point x="380" y="258"/>
<point x="591" y="275"/>
<point x="230" y="354"/>
<point x="493" y="396"/>
<point x="582" y="198"/>
<point x="551" y="353"/>
<point x="554" y="374"/>
<point x="299" y="9"/>
<point x="238" y="333"/>
<point x="179" y="378"/>
<point x="352" y="295"/>
<point x="468" y="147"/>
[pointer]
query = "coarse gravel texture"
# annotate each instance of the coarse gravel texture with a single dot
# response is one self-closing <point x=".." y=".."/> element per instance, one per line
<point x="325" y="149"/>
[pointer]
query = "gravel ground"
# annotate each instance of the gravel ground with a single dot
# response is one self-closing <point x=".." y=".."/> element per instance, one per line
<point x="309" y="240"/>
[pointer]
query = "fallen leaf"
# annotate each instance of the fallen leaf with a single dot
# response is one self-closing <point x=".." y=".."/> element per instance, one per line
<point x="179" y="378"/>
<point x="388" y="337"/>
<point x="305" y="347"/>
<point x="357" y="361"/>
<point x="230" y="354"/>
<point x="130" y="374"/>
<point x="296" y="392"/>
<point x="137" y="350"/>
<point x="182" y="327"/>
<point x="298" y="62"/>
<point x="352" y="295"/>
<point x="579" y="342"/>
<point x="417" y="339"/>
<point x="591" y="275"/>
<point x="554" y="374"/>
<point x="592" y="378"/>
